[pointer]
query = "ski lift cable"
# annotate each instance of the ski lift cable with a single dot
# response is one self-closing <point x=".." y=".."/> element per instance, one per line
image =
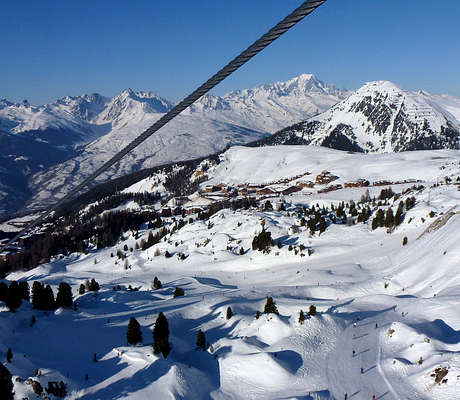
<point x="287" y="23"/>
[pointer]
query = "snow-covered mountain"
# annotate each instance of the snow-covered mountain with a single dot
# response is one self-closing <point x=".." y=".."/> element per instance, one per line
<point x="92" y="128"/>
<point x="381" y="117"/>
<point x="271" y="107"/>
<point x="359" y="310"/>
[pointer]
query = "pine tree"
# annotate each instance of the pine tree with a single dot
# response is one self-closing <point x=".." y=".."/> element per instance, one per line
<point x="161" y="335"/>
<point x="48" y="299"/>
<point x="6" y="384"/>
<point x="13" y="296"/>
<point x="201" y="340"/>
<point x="25" y="292"/>
<point x="389" y="218"/>
<point x="399" y="214"/>
<point x="229" y="312"/>
<point x="301" y="317"/>
<point x="81" y="289"/>
<point x="312" y="310"/>
<point x="178" y="292"/>
<point x="156" y="284"/>
<point x="37" y="295"/>
<point x="3" y="291"/>
<point x="322" y="225"/>
<point x="9" y="355"/>
<point x="93" y="285"/>
<point x="270" y="306"/>
<point x="133" y="334"/>
<point x="64" y="295"/>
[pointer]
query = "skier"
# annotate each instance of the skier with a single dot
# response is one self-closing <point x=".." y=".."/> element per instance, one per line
<point x="362" y="370"/>
<point x="346" y="396"/>
<point x="376" y="325"/>
<point x="354" y="324"/>
<point x="373" y="397"/>
<point x="353" y="354"/>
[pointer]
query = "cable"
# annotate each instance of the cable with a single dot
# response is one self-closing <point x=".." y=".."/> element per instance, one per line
<point x="287" y="23"/>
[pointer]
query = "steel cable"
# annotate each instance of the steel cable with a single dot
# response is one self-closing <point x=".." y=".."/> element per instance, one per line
<point x="297" y="15"/>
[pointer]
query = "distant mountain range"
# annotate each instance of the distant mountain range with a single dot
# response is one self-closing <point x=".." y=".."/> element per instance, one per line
<point x="82" y="132"/>
<point x="45" y="150"/>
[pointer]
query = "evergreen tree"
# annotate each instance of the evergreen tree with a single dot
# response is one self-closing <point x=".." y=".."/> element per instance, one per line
<point x="312" y="310"/>
<point x="81" y="289"/>
<point x="13" y="296"/>
<point x="178" y="292"/>
<point x="3" y="291"/>
<point x="161" y="335"/>
<point x="301" y="317"/>
<point x="270" y="306"/>
<point x="48" y="299"/>
<point x="6" y="384"/>
<point x="399" y="214"/>
<point x="404" y="242"/>
<point x="133" y="334"/>
<point x="156" y="284"/>
<point x="389" y="218"/>
<point x="37" y="295"/>
<point x="268" y="206"/>
<point x="201" y="340"/>
<point x="229" y="312"/>
<point x="9" y="355"/>
<point x="25" y="292"/>
<point x="64" y="295"/>
<point x="322" y="225"/>
<point x="93" y="285"/>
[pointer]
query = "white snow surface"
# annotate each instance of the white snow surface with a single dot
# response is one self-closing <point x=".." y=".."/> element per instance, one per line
<point x="273" y="357"/>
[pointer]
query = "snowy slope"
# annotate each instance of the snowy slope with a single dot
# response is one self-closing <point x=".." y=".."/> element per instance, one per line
<point x="381" y="117"/>
<point x="354" y="275"/>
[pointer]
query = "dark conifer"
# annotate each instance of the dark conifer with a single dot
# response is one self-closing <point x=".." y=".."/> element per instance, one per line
<point x="301" y="317"/>
<point x="312" y="310"/>
<point x="6" y="384"/>
<point x="178" y="292"/>
<point x="3" y="291"/>
<point x="25" y="292"/>
<point x="48" y="299"/>
<point x="13" y="296"/>
<point x="156" y="284"/>
<point x="322" y="225"/>
<point x="93" y="285"/>
<point x="270" y="306"/>
<point x="64" y="295"/>
<point x="9" y="355"/>
<point x="161" y="335"/>
<point x="201" y="340"/>
<point x="133" y="334"/>
<point x="229" y="312"/>
<point x="389" y="218"/>
<point x="37" y="295"/>
<point x="81" y="289"/>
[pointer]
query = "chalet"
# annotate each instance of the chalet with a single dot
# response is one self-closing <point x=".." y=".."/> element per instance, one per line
<point x="330" y="188"/>
<point x="266" y="192"/>
<point x="198" y="173"/>
<point x="209" y="188"/>
<point x="242" y="191"/>
<point x="166" y="212"/>
<point x="290" y="190"/>
<point x="382" y="183"/>
<point x="325" y="177"/>
<point x="358" y="183"/>
<point x="305" y="184"/>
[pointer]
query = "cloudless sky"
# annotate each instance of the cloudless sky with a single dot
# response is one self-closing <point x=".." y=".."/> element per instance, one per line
<point x="51" y="49"/>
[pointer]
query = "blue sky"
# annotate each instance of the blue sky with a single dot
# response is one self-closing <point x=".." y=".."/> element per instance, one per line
<point x="55" y="48"/>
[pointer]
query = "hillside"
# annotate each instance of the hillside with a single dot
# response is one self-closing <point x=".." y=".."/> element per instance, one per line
<point x="384" y="304"/>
